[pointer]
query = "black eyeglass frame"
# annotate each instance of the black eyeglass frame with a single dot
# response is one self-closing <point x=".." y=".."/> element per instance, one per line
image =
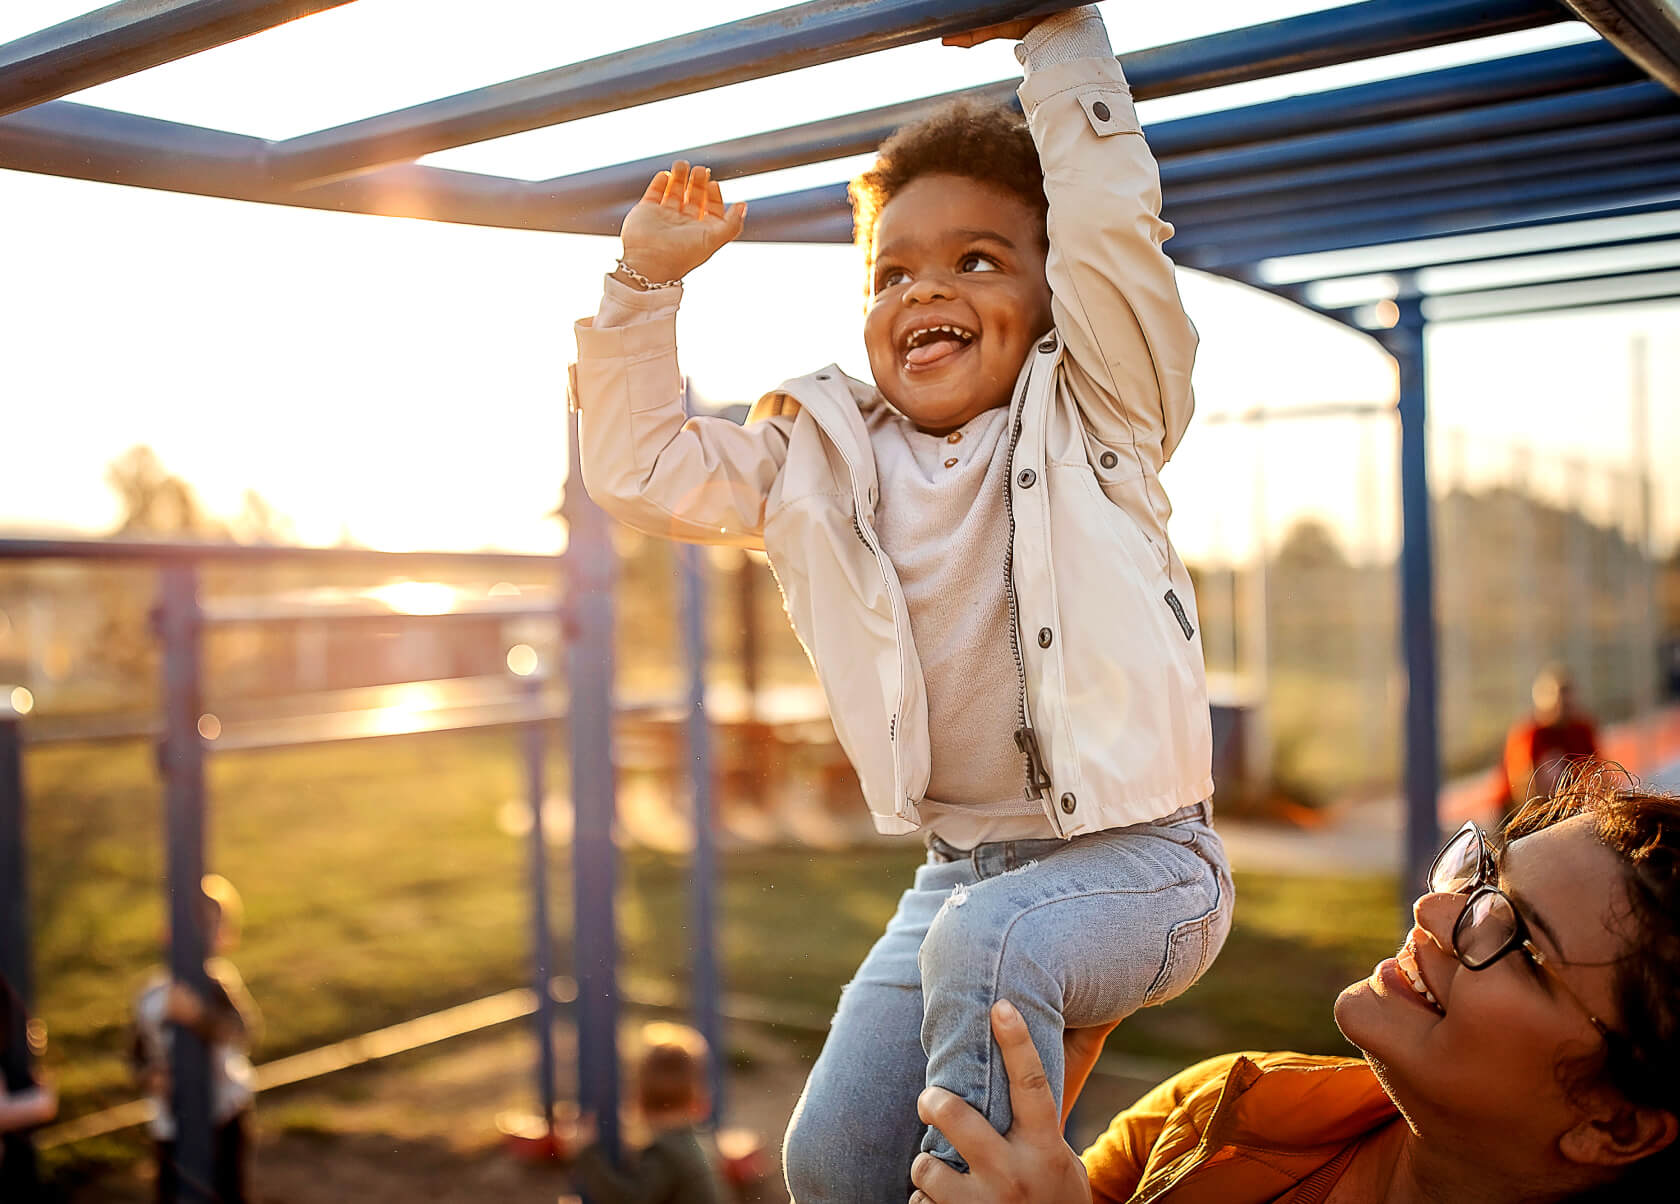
<point x="1521" y="939"/>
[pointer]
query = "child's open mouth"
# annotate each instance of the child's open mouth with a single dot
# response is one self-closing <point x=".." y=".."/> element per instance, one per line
<point x="930" y="345"/>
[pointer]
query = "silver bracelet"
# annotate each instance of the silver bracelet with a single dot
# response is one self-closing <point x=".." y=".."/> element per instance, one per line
<point x="644" y="281"/>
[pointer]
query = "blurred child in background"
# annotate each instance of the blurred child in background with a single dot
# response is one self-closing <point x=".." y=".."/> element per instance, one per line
<point x="226" y="1020"/>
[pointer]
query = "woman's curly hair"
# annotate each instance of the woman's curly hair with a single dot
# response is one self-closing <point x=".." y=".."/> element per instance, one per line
<point x="1641" y="1057"/>
<point x="985" y="142"/>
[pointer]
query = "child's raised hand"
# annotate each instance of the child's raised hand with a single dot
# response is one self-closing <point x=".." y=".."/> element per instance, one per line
<point x="679" y="223"/>
<point x="1014" y="31"/>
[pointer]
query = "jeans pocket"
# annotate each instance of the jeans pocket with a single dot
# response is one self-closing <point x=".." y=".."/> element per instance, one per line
<point x="1189" y="949"/>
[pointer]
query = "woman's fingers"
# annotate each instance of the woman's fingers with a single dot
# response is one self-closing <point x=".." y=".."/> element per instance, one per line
<point x="1030" y="1096"/>
<point x="965" y="1128"/>
<point x="937" y="1183"/>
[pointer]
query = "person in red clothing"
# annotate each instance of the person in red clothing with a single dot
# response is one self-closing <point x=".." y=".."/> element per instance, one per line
<point x="1540" y="748"/>
<point x="1522" y="1047"/>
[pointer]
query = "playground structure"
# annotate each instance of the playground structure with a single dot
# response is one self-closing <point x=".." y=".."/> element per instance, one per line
<point x="1573" y="148"/>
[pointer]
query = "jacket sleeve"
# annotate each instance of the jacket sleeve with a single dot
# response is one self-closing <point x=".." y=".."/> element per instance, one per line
<point x="1129" y="345"/>
<point x="1118" y="1160"/>
<point x="651" y="1178"/>
<point x="645" y="462"/>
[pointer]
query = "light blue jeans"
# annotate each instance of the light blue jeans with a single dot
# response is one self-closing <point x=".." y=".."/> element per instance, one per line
<point x="1075" y="933"/>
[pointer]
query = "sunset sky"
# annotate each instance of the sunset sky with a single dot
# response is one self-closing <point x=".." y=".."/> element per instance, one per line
<point x="403" y="380"/>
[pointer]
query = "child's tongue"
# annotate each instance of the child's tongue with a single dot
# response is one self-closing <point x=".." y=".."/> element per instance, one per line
<point x="934" y="349"/>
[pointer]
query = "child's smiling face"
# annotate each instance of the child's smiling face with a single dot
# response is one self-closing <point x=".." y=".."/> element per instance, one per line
<point x="959" y="297"/>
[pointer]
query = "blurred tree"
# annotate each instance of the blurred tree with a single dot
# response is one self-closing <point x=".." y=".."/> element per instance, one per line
<point x="259" y="522"/>
<point x="1309" y="544"/>
<point x="158" y="504"/>
<point x="154" y="500"/>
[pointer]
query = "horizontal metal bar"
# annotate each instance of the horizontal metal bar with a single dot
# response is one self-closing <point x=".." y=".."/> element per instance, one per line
<point x="1481" y="123"/>
<point x="1322" y="39"/>
<point x="822" y="31"/>
<point x="1579" y="271"/>
<point x="1553" y="72"/>
<point x="1512" y="307"/>
<point x="1362" y="200"/>
<point x="174" y="551"/>
<point x="1647" y="31"/>
<point x="120" y="39"/>
<point x="1561" y="236"/>
<point x="241" y="611"/>
<point x="1383" y="164"/>
<point x="822" y="214"/>
<point x="1475" y="210"/>
<point x="825" y="209"/>
<point x="299" y="731"/>
<point x="76" y="141"/>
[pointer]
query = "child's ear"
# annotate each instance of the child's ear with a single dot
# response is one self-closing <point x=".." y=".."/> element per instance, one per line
<point x="1619" y="1134"/>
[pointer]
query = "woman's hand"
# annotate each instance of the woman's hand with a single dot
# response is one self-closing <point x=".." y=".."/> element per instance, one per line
<point x="1031" y="1165"/>
<point x="679" y="223"/>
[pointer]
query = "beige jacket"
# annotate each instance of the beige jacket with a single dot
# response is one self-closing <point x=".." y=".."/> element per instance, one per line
<point x="1114" y="714"/>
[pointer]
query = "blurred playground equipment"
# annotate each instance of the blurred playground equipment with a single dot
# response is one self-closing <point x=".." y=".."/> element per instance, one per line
<point x="1499" y="163"/>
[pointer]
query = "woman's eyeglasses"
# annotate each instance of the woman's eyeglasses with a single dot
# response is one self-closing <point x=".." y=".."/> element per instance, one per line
<point x="1490" y="926"/>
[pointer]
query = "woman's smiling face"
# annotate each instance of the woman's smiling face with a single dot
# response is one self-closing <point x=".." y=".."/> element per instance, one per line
<point x="959" y="297"/>
<point x="1478" y="1057"/>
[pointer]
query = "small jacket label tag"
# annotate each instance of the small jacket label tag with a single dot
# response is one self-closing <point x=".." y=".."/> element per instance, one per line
<point x="1178" y="613"/>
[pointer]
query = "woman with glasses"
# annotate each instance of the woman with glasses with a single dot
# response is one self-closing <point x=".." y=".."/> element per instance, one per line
<point x="1523" y="1045"/>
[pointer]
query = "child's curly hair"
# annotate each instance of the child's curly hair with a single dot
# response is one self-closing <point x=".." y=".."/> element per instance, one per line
<point x="979" y="141"/>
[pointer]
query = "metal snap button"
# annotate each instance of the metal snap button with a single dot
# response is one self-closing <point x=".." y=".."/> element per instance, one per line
<point x="951" y="463"/>
<point x="1108" y="459"/>
<point x="1048" y="344"/>
<point x="1027" y="477"/>
<point x="1044" y="637"/>
<point x="954" y="437"/>
<point x="1099" y="111"/>
<point x="1068" y="804"/>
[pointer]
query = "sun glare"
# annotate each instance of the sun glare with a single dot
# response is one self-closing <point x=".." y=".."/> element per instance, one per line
<point x="416" y="597"/>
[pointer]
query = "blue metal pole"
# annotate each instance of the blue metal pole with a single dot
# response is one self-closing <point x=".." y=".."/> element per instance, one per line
<point x="1417" y="602"/>
<point x="18" y="1152"/>
<point x="15" y="962"/>
<point x="706" y="986"/>
<point x="534" y="738"/>
<point x="182" y="762"/>
<point x="588" y="568"/>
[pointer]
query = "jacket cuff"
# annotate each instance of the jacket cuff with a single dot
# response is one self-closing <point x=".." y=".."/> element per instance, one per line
<point x="652" y="336"/>
<point x="622" y="305"/>
<point x="1076" y="34"/>
<point x="1102" y="92"/>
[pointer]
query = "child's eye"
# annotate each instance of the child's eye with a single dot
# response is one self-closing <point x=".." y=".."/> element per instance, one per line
<point x="888" y="277"/>
<point x="975" y="262"/>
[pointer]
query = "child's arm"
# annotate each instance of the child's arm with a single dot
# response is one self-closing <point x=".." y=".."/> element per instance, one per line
<point x="703" y="480"/>
<point x="651" y="1179"/>
<point x="25" y="1109"/>
<point x="1129" y="345"/>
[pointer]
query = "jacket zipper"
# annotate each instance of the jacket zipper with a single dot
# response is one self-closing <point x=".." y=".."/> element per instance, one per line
<point x="1038" y="781"/>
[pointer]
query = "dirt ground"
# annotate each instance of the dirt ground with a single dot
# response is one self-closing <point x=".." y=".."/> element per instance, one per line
<point x="421" y="1127"/>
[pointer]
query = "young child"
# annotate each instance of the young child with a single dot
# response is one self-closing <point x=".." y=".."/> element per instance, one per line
<point x="673" y="1168"/>
<point x="974" y="553"/>
<point x="226" y="1021"/>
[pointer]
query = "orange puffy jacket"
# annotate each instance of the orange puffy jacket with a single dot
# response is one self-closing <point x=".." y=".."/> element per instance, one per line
<point x="1248" y="1128"/>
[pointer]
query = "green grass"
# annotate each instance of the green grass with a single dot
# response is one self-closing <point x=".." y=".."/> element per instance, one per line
<point x="378" y="886"/>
